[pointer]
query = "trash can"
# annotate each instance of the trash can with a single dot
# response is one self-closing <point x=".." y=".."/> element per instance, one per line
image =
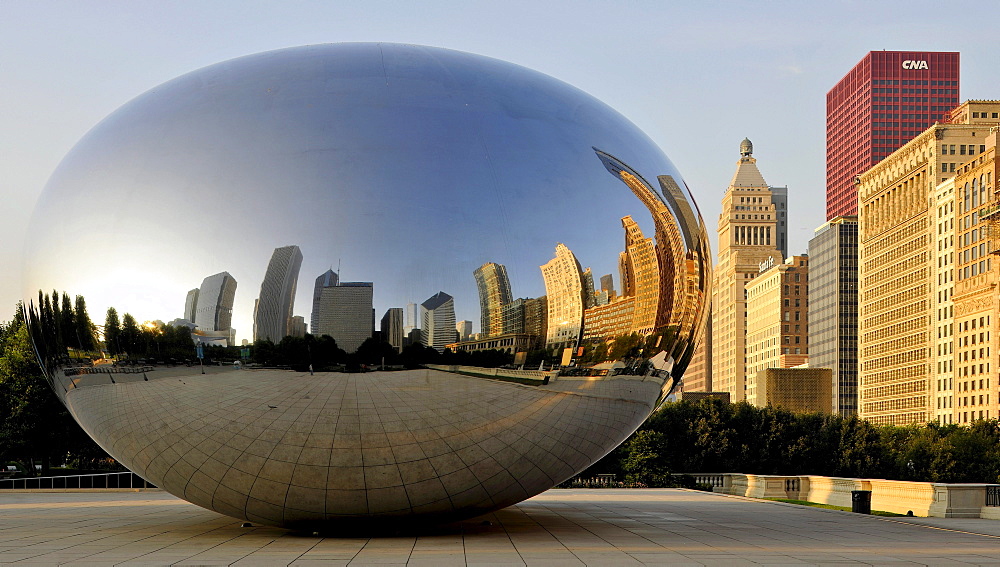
<point x="861" y="501"/>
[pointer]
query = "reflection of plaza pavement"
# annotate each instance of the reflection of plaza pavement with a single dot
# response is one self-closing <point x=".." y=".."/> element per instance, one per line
<point x="559" y="527"/>
<point x="282" y="447"/>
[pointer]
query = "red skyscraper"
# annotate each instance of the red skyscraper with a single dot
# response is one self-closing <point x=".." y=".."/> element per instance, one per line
<point x="883" y="102"/>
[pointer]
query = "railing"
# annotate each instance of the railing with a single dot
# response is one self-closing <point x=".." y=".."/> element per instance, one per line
<point x="77" y="482"/>
<point x="793" y="484"/>
<point x="713" y="480"/>
<point x="993" y="495"/>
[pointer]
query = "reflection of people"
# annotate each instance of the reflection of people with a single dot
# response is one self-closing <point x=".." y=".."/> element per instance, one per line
<point x="237" y="365"/>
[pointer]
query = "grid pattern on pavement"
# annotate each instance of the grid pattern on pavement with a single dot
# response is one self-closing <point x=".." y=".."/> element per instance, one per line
<point x="559" y="527"/>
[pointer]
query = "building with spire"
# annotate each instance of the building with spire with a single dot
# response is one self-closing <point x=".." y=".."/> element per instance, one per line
<point x="272" y="318"/>
<point x="747" y="237"/>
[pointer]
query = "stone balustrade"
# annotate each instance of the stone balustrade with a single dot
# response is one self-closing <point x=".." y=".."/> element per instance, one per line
<point x="935" y="499"/>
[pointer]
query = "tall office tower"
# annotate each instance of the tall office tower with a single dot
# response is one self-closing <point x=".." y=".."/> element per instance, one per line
<point x="608" y="285"/>
<point x="747" y="228"/>
<point x="779" y="196"/>
<point x="437" y="329"/>
<point x="494" y="293"/>
<point x="833" y="309"/>
<point x="888" y="98"/>
<point x="273" y="316"/>
<point x="464" y="330"/>
<point x="345" y="313"/>
<point x="536" y="319"/>
<point x="513" y="316"/>
<point x="191" y="305"/>
<point x="640" y="277"/>
<point x="392" y="327"/>
<point x="298" y="327"/>
<point x="411" y="318"/>
<point x="698" y="376"/>
<point x="564" y="289"/>
<point x="328" y="278"/>
<point x="896" y="274"/>
<point x="215" y="303"/>
<point x="944" y="307"/>
<point x="777" y="319"/>
<point x="976" y="307"/>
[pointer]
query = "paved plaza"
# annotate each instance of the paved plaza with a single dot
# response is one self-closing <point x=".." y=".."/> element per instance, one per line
<point x="559" y="527"/>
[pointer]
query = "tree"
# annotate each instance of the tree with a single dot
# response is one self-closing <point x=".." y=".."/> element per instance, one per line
<point x="112" y="332"/>
<point x="84" y="326"/>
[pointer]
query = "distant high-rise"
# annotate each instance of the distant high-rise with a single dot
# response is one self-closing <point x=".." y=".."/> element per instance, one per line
<point x="215" y="303"/>
<point x="887" y="99"/>
<point x="608" y="284"/>
<point x="273" y="314"/>
<point x="328" y="278"/>
<point x="298" y="328"/>
<point x="345" y="313"/>
<point x="411" y="318"/>
<point x="494" y="293"/>
<point x="747" y="230"/>
<point x="191" y="305"/>
<point x="392" y="327"/>
<point x="564" y="288"/>
<point x="438" y="325"/>
<point x="833" y="308"/>
<point x="464" y="330"/>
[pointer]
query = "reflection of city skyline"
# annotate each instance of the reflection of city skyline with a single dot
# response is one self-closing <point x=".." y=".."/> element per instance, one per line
<point x="660" y="279"/>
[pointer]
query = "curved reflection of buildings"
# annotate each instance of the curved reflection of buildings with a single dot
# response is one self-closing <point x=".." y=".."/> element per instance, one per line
<point x="272" y="318"/>
<point x="494" y="294"/>
<point x="328" y="278"/>
<point x="565" y="290"/>
<point x="213" y="313"/>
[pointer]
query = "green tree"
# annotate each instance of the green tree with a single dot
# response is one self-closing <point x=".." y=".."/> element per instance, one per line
<point x="112" y="332"/>
<point x="84" y="326"/>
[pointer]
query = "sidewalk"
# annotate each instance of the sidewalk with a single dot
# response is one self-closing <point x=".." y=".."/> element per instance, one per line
<point x="559" y="527"/>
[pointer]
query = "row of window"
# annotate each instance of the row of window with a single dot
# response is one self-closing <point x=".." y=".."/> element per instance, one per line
<point x="916" y="82"/>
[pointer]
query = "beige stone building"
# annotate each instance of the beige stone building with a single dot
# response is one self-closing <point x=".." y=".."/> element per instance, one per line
<point x="794" y="389"/>
<point x="897" y="318"/>
<point x="976" y="299"/>
<point x="944" y="309"/>
<point x="747" y="239"/>
<point x="777" y="321"/>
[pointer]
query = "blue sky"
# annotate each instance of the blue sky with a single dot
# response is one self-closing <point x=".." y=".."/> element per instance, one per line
<point x="697" y="78"/>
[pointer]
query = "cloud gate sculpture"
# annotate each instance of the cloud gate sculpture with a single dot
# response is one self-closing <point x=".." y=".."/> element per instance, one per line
<point x="364" y="283"/>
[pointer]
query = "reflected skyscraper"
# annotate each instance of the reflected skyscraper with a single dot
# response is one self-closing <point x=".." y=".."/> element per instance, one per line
<point x="215" y="303"/>
<point x="328" y="278"/>
<point x="411" y="318"/>
<point x="464" y="330"/>
<point x="345" y="313"/>
<point x="191" y="305"/>
<point x="494" y="293"/>
<point x="564" y="288"/>
<point x="438" y="325"/>
<point x="392" y="327"/>
<point x="272" y="318"/>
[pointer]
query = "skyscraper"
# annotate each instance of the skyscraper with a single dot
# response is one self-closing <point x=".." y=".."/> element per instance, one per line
<point x="897" y="257"/>
<point x="191" y="305"/>
<point x="833" y="309"/>
<point x="888" y="98"/>
<point x="215" y="303"/>
<point x="272" y="318"/>
<point x="392" y="327"/>
<point x="464" y="330"/>
<point x="328" y="278"/>
<point x="438" y="325"/>
<point x="345" y="313"/>
<point x="494" y="293"/>
<point x="411" y="318"/>
<point x="747" y="228"/>
<point x="564" y="288"/>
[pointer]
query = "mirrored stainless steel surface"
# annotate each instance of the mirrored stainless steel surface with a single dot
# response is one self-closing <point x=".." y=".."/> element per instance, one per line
<point x="364" y="283"/>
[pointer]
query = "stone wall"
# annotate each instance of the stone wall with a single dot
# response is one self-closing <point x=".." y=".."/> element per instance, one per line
<point x="939" y="500"/>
